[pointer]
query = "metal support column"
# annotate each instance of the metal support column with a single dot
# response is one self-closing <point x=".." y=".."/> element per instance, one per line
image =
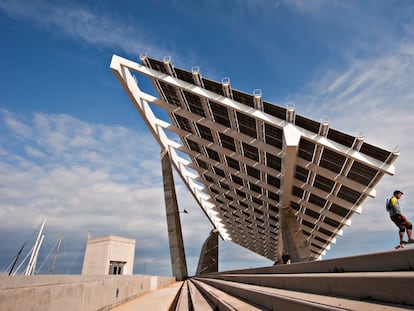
<point x="175" y="236"/>
<point x="208" y="261"/>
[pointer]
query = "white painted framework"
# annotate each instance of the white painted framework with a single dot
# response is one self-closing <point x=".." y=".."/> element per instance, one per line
<point x="253" y="221"/>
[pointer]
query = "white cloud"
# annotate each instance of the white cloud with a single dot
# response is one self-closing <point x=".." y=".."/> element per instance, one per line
<point x="306" y="5"/>
<point x="84" y="23"/>
<point x="373" y="97"/>
<point x="16" y="127"/>
<point x="54" y="179"/>
<point x="33" y="152"/>
<point x="113" y="186"/>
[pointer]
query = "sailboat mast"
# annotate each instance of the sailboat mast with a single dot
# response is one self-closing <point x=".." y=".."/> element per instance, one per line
<point x="52" y="267"/>
<point x="33" y="258"/>
<point x="15" y="259"/>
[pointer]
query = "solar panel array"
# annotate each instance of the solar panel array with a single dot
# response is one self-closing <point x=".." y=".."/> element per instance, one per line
<point x="236" y="143"/>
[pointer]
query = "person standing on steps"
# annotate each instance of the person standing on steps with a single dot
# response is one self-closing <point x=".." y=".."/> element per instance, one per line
<point x="399" y="219"/>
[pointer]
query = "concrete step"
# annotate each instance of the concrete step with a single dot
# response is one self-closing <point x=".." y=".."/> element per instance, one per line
<point x="389" y="287"/>
<point x="393" y="260"/>
<point x="183" y="303"/>
<point x="198" y="301"/>
<point x="223" y="301"/>
<point x="282" y="299"/>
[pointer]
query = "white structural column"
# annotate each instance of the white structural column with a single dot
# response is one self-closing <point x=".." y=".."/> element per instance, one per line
<point x="291" y="238"/>
<point x="175" y="236"/>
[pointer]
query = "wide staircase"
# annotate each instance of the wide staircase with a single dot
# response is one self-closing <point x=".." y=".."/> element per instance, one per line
<point x="380" y="281"/>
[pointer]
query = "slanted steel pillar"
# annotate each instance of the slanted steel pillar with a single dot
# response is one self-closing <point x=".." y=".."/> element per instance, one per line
<point x="208" y="261"/>
<point x="175" y="236"/>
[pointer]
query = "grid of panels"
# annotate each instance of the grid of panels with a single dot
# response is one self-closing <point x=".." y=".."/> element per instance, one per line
<point x="243" y="171"/>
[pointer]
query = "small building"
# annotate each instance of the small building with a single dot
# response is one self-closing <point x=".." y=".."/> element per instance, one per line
<point x="109" y="255"/>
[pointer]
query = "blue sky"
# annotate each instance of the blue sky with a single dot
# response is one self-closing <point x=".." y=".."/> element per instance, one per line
<point x="73" y="149"/>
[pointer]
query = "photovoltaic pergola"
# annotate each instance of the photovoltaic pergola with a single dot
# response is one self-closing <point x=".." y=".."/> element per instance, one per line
<point x="268" y="179"/>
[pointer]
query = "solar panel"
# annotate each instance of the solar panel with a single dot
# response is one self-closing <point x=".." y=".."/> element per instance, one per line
<point x="208" y="178"/>
<point x="183" y="123"/>
<point x="312" y="213"/>
<point x="255" y="188"/>
<point x="193" y="146"/>
<point x="273" y="181"/>
<point x="243" y="98"/>
<point x="273" y="196"/>
<point x="361" y="173"/>
<point x="227" y="142"/>
<point x="273" y="161"/>
<point x="205" y="132"/>
<point x="273" y="136"/>
<point x="306" y="150"/>
<point x="238" y="181"/>
<point x="219" y="171"/>
<point x="250" y="152"/>
<point x="251" y="171"/>
<point x="339" y="210"/>
<point x="213" y="86"/>
<point x="184" y="75"/>
<point x="332" y="161"/>
<point x="348" y="194"/>
<point x="375" y="152"/>
<point x="194" y="104"/>
<point x="274" y="110"/>
<point x="318" y="201"/>
<point x="233" y="163"/>
<point x="170" y="94"/>
<point x="307" y="124"/>
<point x="251" y="162"/>
<point x="202" y="164"/>
<point x="220" y="113"/>
<point x="323" y="183"/>
<point x="298" y="192"/>
<point x="342" y="138"/>
<point x="247" y="125"/>
<point x="212" y="154"/>
<point x="157" y="65"/>
<point x="301" y="174"/>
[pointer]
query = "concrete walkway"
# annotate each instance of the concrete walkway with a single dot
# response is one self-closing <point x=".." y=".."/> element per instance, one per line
<point x="159" y="300"/>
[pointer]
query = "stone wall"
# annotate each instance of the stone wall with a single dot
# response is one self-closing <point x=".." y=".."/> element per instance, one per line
<point x="74" y="292"/>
